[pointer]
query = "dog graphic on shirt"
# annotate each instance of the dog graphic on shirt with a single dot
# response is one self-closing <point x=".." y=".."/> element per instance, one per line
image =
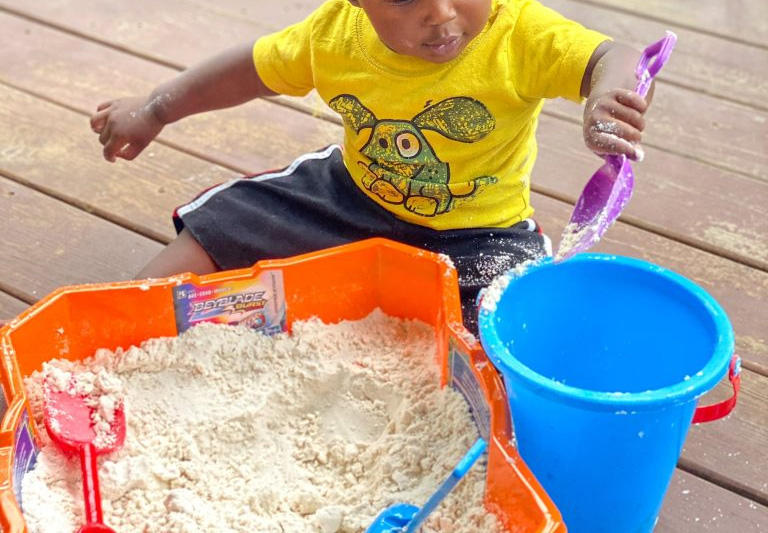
<point x="403" y="168"/>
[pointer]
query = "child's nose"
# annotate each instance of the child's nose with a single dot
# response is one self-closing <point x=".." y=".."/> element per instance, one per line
<point x="440" y="11"/>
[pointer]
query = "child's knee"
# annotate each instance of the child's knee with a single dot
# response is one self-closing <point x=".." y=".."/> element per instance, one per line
<point x="183" y="254"/>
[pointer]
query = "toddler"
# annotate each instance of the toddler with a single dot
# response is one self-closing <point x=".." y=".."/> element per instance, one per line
<point x="440" y="101"/>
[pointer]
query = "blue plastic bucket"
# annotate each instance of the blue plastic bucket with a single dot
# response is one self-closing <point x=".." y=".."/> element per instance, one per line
<point x="603" y="358"/>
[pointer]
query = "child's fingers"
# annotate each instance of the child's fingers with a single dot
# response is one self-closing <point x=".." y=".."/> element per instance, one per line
<point x="99" y="118"/>
<point x="632" y="100"/>
<point x="614" y="137"/>
<point x="615" y="128"/>
<point x="614" y="124"/>
<point x="113" y="147"/>
<point x="629" y="116"/>
<point x="98" y="121"/>
<point x="608" y="143"/>
<point x="105" y="133"/>
<point x="129" y="152"/>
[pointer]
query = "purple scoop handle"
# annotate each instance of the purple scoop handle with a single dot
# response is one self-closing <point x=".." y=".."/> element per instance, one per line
<point x="653" y="58"/>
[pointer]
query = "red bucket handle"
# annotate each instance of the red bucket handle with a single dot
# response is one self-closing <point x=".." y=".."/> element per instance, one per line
<point x="709" y="413"/>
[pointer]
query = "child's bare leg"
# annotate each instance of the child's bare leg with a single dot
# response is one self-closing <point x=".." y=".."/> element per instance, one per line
<point x="183" y="254"/>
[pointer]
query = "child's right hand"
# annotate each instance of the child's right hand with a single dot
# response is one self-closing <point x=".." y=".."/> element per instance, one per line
<point x="125" y="127"/>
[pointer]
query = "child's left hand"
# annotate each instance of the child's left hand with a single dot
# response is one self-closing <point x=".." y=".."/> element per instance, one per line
<point x="613" y="122"/>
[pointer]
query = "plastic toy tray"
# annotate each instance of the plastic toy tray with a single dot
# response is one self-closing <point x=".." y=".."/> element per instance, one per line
<point x="347" y="282"/>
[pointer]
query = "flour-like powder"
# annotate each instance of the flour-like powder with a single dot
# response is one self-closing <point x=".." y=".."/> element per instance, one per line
<point x="495" y="290"/>
<point x="231" y="430"/>
<point x="578" y="237"/>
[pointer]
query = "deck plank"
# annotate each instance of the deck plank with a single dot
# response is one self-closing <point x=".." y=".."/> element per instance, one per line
<point x="692" y="504"/>
<point x="10" y="307"/>
<point x="64" y="160"/>
<point x="175" y="34"/>
<point x="712" y="65"/>
<point x="275" y="16"/>
<point x="738" y="20"/>
<point x="58" y="244"/>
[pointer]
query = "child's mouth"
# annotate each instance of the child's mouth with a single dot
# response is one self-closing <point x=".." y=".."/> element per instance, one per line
<point x="444" y="46"/>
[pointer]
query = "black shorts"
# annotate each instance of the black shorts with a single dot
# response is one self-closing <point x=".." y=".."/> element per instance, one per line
<point x="314" y="204"/>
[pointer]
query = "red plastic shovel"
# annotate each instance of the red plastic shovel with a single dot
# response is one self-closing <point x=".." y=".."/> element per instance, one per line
<point x="610" y="188"/>
<point x="69" y="421"/>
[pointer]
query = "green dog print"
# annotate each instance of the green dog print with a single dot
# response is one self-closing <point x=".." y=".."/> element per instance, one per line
<point x="404" y="168"/>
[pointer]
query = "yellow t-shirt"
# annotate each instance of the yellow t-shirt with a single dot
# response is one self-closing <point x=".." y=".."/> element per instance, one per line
<point x="446" y="145"/>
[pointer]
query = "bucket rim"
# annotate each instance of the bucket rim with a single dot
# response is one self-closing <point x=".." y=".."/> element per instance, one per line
<point x="683" y="392"/>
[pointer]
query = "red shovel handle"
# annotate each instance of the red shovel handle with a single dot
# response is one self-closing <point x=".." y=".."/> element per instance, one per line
<point x="91" y="493"/>
<point x="94" y="519"/>
<point x="708" y="413"/>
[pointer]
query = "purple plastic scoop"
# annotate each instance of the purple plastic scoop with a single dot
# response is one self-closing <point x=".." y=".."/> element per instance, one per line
<point x="610" y="188"/>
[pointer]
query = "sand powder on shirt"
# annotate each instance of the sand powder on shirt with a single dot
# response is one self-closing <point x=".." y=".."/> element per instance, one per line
<point x="231" y="430"/>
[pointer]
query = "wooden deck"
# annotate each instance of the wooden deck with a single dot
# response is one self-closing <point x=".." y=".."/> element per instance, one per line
<point x="700" y="205"/>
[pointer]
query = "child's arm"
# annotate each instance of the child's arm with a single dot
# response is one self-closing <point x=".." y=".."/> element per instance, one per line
<point x="127" y="125"/>
<point x="613" y="114"/>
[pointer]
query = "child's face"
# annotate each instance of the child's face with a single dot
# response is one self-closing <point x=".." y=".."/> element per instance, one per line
<point x="433" y="30"/>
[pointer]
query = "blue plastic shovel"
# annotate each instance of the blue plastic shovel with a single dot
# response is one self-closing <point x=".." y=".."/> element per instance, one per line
<point x="407" y="518"/>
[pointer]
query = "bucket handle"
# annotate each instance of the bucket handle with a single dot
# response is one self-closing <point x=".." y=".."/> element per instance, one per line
<point x="709" y="413"/>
